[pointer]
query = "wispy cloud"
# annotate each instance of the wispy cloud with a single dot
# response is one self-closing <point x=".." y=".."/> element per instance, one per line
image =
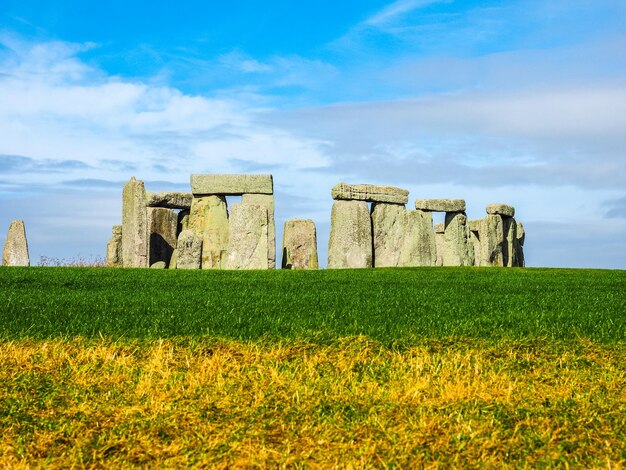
<point x="395" y="11"/>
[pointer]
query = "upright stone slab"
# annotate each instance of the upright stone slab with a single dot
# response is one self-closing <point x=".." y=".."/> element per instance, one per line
<point x="248" y="237"/>
<point x="440" y="205"/>
<point x="134" y="225"/>
<point x="419" y="247"/>
<point x="350" y="243"/>
<point x="183" y="221"/>
<point x="457" y="249"/>
<point x="299" y="245"/>
<point x="208" y="218"/>
<point x="232" y="185"/>
<point x="267" y="201"/>
<point x="389" y="223"/>
<point x="114" y="248"/>
<point x="370" y="193"/>
<point x="439" y="231"/>
<point x="162" y="235"/>
<point x="15" y="251"/>
<point x="519" y="245"/>
<point x="510" y="234"/>
<point x="474" y="237"/>
<point x="188" y="250"/>
<point x="492" y="241"/>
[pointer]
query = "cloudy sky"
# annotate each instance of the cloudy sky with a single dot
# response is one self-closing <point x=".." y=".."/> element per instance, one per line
<point x="522" y="102"/>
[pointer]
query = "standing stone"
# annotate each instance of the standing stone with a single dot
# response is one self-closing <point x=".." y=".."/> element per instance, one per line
<point x="183" y="221"/>
<point x="162" y="228"/>
<point x="114" y="248"/>
<point x="248" y="238"/>
<point x="388" y="227"/>
<point x="519" y="245"/>
<point x="299" y="245"/>
<point x="267" y="201"/>
<point x="474" y="237"/>
<point x="350" y="243"/>
<point x="15" y="252"/>
<point x="492" y="241"/>
<point x="510" y="234"/>
<point x="457" y="249"/>
<point x="419" y="247"/>
<point x="439" y="231"/>
<point x="188" y="250"/>
<point x="208" y="218"/>
<point x="134" y="225"/>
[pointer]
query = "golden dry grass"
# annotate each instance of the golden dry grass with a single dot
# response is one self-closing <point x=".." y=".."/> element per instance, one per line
<point x="351" y="404"/>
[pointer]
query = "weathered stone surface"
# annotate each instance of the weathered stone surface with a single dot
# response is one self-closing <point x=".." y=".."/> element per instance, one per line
<point x="158" y="265"/>
<point x="501" y="209"/>
<point x="474" y="239"/>
<point x="492" y="241"/>
<point x="350" y="243"/>
<point x="440" y="205"/>
<point x="15" y="251"/>
<point x="183" y="220"/>
<point x="169" y="200"/>
<point x="474" y="225"/>
<point x="510" y="234"/>
<point x="234" y="185"/>
<point x="440" y="227"/>
<point x="134" y="225"/>
<point x="188" y="250"/>
<point x="457" y="248"/>
<point x="519" y="245"/>
<point x="419" y="247"/>
<point x="248" y="237"/>
<point x="208" y="218"/>
<point x="299" y="245"/>
<point x="389" y="223"/>
<point x="114" y="248"/>
<point x="439" y="244"/>
<point x="162" y="234"/>
<point x="267" y="201"/>
<point x="370" y="193"/>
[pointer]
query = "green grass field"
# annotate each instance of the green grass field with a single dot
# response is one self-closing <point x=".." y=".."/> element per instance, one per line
<point x="389" y="305"/>
<point x="437" y="367"/>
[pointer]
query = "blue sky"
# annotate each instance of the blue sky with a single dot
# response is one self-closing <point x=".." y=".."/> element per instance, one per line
<point x="521" y="102"/>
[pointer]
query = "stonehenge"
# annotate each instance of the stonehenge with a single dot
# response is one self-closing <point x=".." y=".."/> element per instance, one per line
<point x="371" y="227"/>
<point x="15" y="251"/>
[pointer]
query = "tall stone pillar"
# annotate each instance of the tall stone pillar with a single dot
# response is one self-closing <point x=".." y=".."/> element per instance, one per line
<point x="134" y="225"/>
<point x="299" y="245"/>
<point x="474" y="238"/>
<point x="519" y="245"/>
<point x="492" y="241"/>
<point x="388" y="226"/>
<point x="439" y="231"/>
<point x="267" y="201"/>
<point x="208" y="218"/>
<point x="419" y="247"/>
<point x="457" y="248"/>
<point x="350" y="243"/>
<point x="15" y="251"/>
<point x="248" y="237"/>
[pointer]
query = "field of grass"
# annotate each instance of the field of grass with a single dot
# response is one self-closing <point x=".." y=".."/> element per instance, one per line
<point x="373" y="368"/>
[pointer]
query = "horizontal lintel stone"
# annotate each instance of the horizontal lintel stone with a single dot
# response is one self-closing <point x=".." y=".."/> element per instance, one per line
<point x="440" y="205"/>
<point x="501" y="209"/>
<point x="231" y="185"/>
<point x="169" y="200"/>
<point x="370" y="193"/>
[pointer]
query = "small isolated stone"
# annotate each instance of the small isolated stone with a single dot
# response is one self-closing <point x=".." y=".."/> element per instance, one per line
<point x="158" y="265"/>
<point x="370" y="193"/>
<point x="300" y="245"/>
<point x="501" y="209"/>
<point x="350" y="243"/>
<point x="169" y="200"/>
<point x="440" y="205"/>
<point x="188" y="250"/>
<point x="114" y="248"/>
<point x="247" y="238"/>
<point x="15" y="252"/>
<point x="231" y="185"/>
